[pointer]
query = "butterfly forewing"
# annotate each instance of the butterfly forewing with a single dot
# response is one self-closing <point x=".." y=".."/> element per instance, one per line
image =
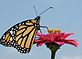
<point x="21" y="36"/>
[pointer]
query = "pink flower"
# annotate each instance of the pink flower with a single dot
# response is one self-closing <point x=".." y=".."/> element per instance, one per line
<point x="56" y="38"/>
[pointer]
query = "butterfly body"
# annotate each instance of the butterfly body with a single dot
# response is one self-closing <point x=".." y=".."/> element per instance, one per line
<point x="21" y="36"/>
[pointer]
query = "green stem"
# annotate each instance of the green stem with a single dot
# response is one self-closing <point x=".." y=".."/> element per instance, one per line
<point x="53" y="48"/>
<point x="53" y="54"/>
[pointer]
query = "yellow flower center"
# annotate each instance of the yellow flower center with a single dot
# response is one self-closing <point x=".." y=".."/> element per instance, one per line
<point x="53" y="30"/>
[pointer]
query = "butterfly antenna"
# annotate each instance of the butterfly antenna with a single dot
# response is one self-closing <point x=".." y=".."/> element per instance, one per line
<point x="45" y="10"/>
<point x="35" y="10"/>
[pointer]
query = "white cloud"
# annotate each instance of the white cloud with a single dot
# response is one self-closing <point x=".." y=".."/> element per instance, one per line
<point x="72" y="57"/>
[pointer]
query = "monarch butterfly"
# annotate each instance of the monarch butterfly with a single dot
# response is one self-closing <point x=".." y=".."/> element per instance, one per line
<point x="21" y="36"/>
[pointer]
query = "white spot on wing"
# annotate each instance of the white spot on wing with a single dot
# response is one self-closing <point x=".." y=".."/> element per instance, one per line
<point x="11" y="32"/>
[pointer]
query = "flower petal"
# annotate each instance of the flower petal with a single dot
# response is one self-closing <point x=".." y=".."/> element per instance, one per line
<point x="72" y="42"/>
<point x="59" y="43"/>
<point x="66" y="35"/>
<point x="40" y="43"/>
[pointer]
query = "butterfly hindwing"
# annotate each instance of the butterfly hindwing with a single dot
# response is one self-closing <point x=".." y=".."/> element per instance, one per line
<point x="21" y="36"/>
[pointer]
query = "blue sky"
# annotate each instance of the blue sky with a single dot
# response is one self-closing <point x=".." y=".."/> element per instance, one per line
<point x="66" y="15"/>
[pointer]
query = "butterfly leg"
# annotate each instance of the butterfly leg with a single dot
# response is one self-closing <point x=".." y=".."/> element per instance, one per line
<point x="43" y="27"/>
